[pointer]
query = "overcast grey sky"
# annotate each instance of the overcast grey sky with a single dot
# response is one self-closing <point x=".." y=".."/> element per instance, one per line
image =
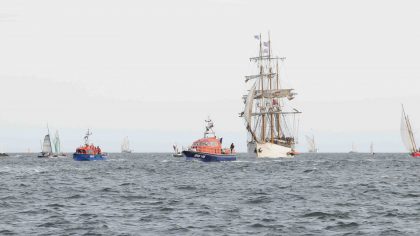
<point x="154" y="70"/>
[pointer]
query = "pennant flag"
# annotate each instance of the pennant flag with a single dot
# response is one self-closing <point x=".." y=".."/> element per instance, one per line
<point x="257" y="37"/>
<point x="265" y="44"/>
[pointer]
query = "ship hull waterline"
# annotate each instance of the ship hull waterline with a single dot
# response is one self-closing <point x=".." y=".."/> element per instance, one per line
<point x="269" y="150"/>
<point x="88" y="157"/>
<point x="415" y="154"/>
<point x="208" y="157"/>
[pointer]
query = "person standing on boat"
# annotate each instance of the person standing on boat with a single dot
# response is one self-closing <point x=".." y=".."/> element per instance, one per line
<point x="232" y="146"/>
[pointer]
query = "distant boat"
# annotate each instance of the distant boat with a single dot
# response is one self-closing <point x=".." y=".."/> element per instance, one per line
<point x="209" y="148"/>
<point x="271" y="122"/>
<point x="46" y="146"/>
<point x="125" y="146"/>
<point x="371" y="149"/>
<point x="88" y="152"/>
<point x="311" y="144"/>
<point x="57" y="146"/>
<point x="407" y="135"/>
<point x="177" y="153"/>
<point x="353" y="148"/>
<point x="2" y="153"/>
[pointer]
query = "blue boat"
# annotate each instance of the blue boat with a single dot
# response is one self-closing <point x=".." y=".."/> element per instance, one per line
<point x="88" y="152"/>
<point x="208" y="157"/>
<point x="209" y="148"/>
<point x="88" y="157"/>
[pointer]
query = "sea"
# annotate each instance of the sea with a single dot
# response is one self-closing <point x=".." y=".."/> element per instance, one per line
<point x="157" y="194"/>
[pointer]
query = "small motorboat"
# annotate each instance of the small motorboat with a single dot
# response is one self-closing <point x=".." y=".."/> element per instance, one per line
<point x="209" y="148"/>
<point x="88" y="152"/>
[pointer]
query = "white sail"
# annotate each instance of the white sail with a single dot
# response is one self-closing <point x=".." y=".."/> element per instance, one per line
<point x="248" y="105"/>
<point x="371" y="148"/>
<point x="406" y="133"/>
<point x="125" y="146"/>
<point x="311" y="144"/>
<point x="46" y="145"/>
<point x="57" y="144"/>
<point x="353" y="148"/>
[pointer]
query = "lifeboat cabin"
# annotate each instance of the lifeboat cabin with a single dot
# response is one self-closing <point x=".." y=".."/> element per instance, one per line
<point x="209" y="148"/>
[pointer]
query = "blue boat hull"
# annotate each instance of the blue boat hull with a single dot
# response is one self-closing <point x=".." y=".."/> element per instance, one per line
<point x="88" y="157"/>
<point x="207" y="157"/>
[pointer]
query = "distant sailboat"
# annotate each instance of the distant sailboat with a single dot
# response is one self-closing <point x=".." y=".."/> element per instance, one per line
<point x="46" y="146"/>
<point x="177" y="152"/>
<point x="407" y="135"/>
<point x="125" y="146"/>
<point x="57" y="146"/>
<point x="311" y="144"/>
<point x="371" y="149"/>
<point x="2" y="153"/>
<point x="353" y="148"/>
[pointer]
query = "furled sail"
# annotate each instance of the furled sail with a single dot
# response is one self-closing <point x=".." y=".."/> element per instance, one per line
<point x="248" y="105"/>
<point x="274" y="93"/>
<point x="406" y="133"/>
<point x="46" y="146"/>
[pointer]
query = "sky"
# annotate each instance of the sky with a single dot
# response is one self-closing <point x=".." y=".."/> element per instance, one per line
<point x="155" y="70"/>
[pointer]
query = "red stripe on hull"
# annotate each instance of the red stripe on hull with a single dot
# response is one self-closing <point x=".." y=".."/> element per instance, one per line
<point x="415" y="154"/>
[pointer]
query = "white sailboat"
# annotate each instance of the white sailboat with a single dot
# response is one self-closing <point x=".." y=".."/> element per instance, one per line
<point x="311" y="144"/>
<point x="2" y="153"/>
<point x="371" y="149"/>
<point x="46" y="146"/>
<point x="353" y="148"/>
<point x="177" y="152"/>
<point x="125" y="146"/>
<point x="407" y="135"/>
<point x="272" y="126"/>
<point x="57" y="146"/>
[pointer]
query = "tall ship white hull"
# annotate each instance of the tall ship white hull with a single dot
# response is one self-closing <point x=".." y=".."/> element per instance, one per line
<point x="269" y="150"/>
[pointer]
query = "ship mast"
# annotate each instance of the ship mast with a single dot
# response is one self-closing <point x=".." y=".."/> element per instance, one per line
<point x="262" y="104"/>
<point x="277" y="101"/>
<point x="268" y="95"/>
<point x="271" y="88"/>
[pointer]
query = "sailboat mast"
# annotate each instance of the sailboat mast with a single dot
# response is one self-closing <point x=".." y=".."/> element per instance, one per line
<point x="271" y="82"/>
<point x="262" y="92"/>
<point x="278" y="87"/>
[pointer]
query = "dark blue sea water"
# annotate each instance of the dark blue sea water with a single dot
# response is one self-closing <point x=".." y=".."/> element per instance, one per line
<point x="157" y="194"/>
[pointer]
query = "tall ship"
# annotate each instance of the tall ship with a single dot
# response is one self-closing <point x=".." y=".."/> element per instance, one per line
<point x="311" y="144"/>
<point x="407" y="135"/>
<point x="88" y="151"/>
<point x="125" y="146"/>
<point x="209" y="148"/>
<point x="271" y="122"/>
<point x="46" y="147"/>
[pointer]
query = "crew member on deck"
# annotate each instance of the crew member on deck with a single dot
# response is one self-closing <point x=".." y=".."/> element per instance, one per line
<point x="232" y="146"/>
